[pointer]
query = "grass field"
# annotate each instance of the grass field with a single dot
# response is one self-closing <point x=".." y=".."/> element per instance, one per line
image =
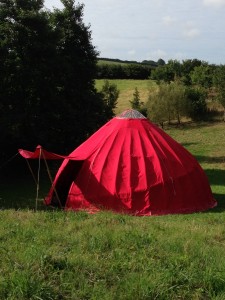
<point x="57" y="255"/>
<point x="127" y="88"/>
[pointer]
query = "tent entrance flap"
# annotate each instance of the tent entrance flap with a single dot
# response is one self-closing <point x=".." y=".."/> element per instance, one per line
<point x="64" y="182"/>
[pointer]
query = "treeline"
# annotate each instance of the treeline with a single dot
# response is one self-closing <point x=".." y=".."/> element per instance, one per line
<point x="144" y="62"/>
<point x="123" y="71"/>
<point x="185" y="89"/>
<point x="110" y="68"/>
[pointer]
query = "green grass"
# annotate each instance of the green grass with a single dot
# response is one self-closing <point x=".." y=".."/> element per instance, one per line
<point x="66" y="255"/>
<point x="127" y="88"/>
<point x="60" y="255"/>
<point x="207" y="143"/>
<point x="110" y="62"/>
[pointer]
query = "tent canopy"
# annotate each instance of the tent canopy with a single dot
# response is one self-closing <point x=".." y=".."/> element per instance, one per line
<point x="39" y="153"/>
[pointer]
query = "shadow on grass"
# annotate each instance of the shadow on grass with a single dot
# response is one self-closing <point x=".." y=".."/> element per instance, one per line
<point x="220" y="198"/>
<point x="216" y="176"/>
<point x="18" y="185"/>
<point x="20" y="192"/>
<point x="210" y="160"/>
<point x="193" y="125"/>
<point x="186" y="145"/>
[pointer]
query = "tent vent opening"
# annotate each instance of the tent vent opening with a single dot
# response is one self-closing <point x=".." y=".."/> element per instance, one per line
<point x="130" y="114"/>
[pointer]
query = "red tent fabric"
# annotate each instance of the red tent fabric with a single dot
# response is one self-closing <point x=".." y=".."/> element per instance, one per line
<point x="39" y="153"/>
<point x="131" y="166"/>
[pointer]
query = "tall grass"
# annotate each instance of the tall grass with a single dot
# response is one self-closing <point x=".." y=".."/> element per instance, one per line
<point x="66" y="255"/>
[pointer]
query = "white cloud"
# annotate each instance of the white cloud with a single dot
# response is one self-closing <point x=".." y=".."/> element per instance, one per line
<point x="131" y="52"/>
<point x="157" y="54"/>
<point x="168" y="20"/>
<point x="190" y="31"/>
<point x="215" y="3"/>
<point x="179" y="56"/>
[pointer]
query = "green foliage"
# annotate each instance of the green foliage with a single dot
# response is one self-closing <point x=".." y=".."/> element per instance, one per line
<point x="137" y="104"/>
<point x="167" y="104"/>
<point x="162" y="73"/>
<point x="219" y="81"/>
<point x="123" y="71"/>
<point x="174" y="100"/>
<point x="48" y="66"/>
<point x="202" y="75"/>
<point x="196" y="103"/>
<point x="110" y="95"/>
<point x="188" y="66"/>
<point x="161" y="62"/>
<point x="175" y="70"/>
<point x="26" y="79"/>
<point x="136" y="101"/>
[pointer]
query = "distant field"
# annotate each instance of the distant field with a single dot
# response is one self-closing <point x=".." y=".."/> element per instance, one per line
<point x="127" y="88"/>
<point x="109" y="62"/>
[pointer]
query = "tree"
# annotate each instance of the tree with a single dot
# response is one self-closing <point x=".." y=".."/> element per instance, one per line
<point x="77" y="59"/>
<point x="196" y="107"/>
<point x="137" y="104"/>
<point x="188" y="66"/>
<point x="158" y="108"/>
<point x="162" y="73"/>
<point x="110" y="94"/>
<point x="219" y="82"/>
<point x="27" y="72"/>
<point x="175" y="68"/>
<point x="178" y="100"/>
<point x="167" y="104"/>
<point x="47" y="70"/>
<point x="202" y="75"/>
<point x="161" y="62"/>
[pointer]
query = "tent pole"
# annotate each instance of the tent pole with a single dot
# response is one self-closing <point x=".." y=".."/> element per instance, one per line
<point x="32" y="173"/>
<point x="50" y="177"/>
<point x="38" y="180"/>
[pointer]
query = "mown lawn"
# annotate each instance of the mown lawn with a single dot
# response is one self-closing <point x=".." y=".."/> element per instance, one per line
<point x="66" y="255"/>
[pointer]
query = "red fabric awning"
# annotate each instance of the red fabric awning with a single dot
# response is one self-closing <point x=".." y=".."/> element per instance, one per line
<point x="40" y="153"/>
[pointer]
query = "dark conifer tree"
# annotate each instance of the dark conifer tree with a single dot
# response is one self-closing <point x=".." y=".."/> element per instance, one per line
<point x="47" y="71"/>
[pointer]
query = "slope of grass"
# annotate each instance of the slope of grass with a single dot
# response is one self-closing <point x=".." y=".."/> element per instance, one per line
<point x="206" y="142"/>
<point x="127" y="88"/>
<point x="66" y="255"/>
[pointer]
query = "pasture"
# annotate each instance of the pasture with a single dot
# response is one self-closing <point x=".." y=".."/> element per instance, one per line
<point x="51" y="254"/>
<point x="127" y="88"/>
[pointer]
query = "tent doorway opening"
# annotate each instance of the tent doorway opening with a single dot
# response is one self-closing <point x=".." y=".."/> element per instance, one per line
<point x="62" y="186"/>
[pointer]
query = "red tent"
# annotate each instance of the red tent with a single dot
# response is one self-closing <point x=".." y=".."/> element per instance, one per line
<point x="130" y="165"/>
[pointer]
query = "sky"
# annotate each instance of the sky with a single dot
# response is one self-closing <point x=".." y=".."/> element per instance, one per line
<point x="156" y="29"/>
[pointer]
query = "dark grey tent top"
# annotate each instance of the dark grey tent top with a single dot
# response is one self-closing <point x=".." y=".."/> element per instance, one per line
<point x="130" y="114"/>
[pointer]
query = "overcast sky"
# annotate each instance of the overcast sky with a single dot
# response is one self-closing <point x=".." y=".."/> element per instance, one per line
<point x="152" y="29"/>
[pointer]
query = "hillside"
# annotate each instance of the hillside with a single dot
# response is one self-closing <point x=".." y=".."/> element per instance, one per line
<point x="149" y="63"/>
<point x="126" y="88"/>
